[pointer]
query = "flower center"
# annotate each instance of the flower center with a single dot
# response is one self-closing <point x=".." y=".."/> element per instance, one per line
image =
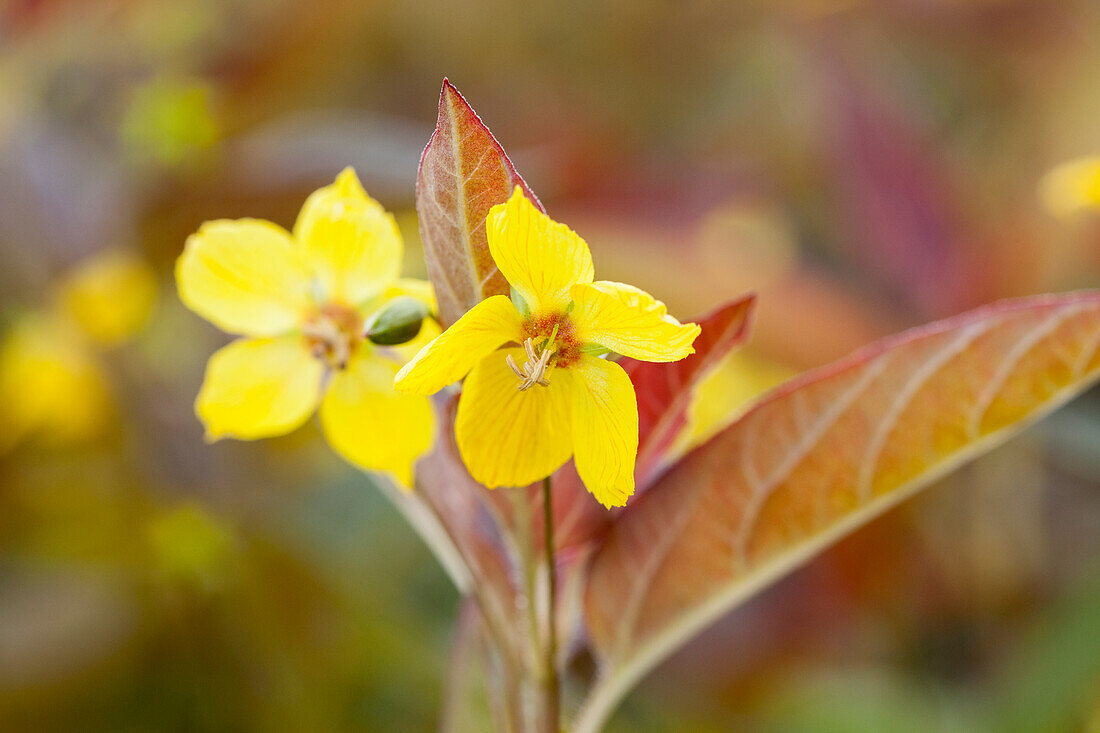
<point x="534" y="369"/>
<point x="550" y="343"/>
<point x="333" y="333"/>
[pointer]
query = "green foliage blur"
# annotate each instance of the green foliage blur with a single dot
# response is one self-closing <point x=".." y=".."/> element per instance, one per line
<point x="864" y="166"/>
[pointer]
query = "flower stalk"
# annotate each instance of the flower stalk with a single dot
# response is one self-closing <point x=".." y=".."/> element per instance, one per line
<point x="553" y="692"/>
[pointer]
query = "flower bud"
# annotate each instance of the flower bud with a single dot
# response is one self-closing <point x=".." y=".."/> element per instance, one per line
<point x="398" y="322"/>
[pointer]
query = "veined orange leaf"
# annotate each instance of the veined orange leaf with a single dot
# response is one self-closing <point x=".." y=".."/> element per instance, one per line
<point x="463" y="173"/>
<point x="817" y="458"/>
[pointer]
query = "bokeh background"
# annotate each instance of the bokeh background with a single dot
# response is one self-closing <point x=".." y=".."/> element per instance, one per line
<point x="865" y="166"/>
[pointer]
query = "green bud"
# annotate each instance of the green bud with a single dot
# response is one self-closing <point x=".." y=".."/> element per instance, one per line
<point x="398" y="322"/>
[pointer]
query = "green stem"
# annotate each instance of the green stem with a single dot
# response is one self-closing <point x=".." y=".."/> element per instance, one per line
<point x="533" y="717"/>
<point x="553" y="687"/>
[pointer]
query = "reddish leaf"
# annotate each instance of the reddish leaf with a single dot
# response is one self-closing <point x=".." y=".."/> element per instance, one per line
<point x="488" y="536"/>
<point x="897" y="202"/>
<point x="476" y="698"/>
<point x="463" y="509"/>
<point x="463" y="173"/>
<point x="815" y="459"/>
<point x="664" y="389"/>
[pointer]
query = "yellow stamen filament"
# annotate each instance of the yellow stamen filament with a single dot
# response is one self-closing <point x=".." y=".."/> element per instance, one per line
<point x="534" y="369"/>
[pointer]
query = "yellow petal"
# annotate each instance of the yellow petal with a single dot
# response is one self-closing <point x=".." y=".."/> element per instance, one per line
<point x="483" y="329"/>
<point x="539" y="257"/>
<point x="257" y="388"/>
<point x="512" y="438"/>
<point x="419" y="289"/>
<point x="1072" y="187"/>
<point x="605" y="429"/>
<point x="243" y="277"/>
<point x="352" y="246"/>
<point x="372" y="426"/>
<point x="630" y="322"/>
<point x="110" y="295"/>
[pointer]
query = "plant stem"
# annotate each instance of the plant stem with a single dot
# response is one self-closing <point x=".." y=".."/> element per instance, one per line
<point x="553" y="688"/>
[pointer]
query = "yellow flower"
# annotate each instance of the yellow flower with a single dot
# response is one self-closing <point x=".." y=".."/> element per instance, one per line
<point x="52" y="386"/>
<point x="302" y="302"/>
<point x="516" y="424"/>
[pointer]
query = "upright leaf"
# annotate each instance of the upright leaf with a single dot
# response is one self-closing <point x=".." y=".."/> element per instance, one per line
<point x="894" y="195"/>
<point x="489" y="531"/>
<point x="462" y="508"/>
<point x="475" y="698"/>
<point x="463" y="173"/>
<point x="817" y="458"/>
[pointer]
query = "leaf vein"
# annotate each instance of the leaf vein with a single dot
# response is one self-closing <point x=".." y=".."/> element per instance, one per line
<point x="799" y="451"/>
<point x="869" y="464"/>
<point x="1087" y="353"/>
<point x="1014" y="356"/>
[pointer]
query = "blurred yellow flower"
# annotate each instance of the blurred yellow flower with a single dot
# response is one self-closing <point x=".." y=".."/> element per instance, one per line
<point x="725" y="394"/>
<point x="110" y="296"/>
<point x="516" y="424"/>
<point x="51" y="386"/>
<point x="1072" y="187"/>
<point x="302" y="301"/>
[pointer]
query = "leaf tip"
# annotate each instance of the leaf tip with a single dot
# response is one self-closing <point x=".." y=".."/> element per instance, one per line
<point x="751" y="299"/>
<point x="450" y="96"/>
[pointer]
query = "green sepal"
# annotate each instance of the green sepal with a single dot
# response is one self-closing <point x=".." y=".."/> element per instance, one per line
<point x="520" y="303"/>
<point x="595" y="350"/>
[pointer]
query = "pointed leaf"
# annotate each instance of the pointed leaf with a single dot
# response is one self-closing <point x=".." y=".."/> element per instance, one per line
<point x="817" y="458"/>
<point x="664" y="389"/>
<point x="463" y="173"/>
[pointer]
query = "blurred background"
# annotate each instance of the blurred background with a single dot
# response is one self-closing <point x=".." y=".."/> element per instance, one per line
<point x="865" y="166"/>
